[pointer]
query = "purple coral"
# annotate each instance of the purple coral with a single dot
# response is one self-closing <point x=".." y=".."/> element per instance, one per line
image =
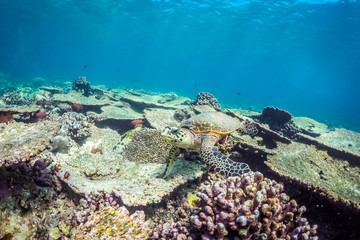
<point x="246" y="207"/>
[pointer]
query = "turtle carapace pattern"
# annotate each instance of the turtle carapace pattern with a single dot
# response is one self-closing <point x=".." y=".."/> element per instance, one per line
<point x="204" y="131"/>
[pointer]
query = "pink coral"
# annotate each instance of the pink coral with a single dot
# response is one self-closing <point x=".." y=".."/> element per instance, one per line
<point x="246" y="207"/>
<point x="137" y="122"/>
<point x="39" y="116"/>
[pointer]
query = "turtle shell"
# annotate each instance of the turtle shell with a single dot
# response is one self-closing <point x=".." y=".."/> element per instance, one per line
<point x="217" y="122"/>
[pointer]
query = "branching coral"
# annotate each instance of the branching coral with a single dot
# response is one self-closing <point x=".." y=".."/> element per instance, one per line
<point x="76" y="125"/>
<point x="246" y="207"/>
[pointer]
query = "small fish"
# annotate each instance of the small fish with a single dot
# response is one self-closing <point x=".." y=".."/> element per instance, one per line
<point x="118" y="70"/>
<point x="67" y="90"/>
<point x="85" y="66"/>
<point x="195" y="85"/>
<point x="238" y="93"/>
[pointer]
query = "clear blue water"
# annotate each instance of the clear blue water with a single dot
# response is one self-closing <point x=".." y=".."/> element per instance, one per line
<point x="302" y="56"/>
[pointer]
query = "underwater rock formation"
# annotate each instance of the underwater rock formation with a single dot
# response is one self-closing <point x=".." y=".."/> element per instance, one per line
<point x="318" y="170"/>
<point x="19" y="139"/>
<point x="279" y="121"/>
<point x="98" y="178"/>
<point x="246" y="207"/>
<point x="21" y="96"/>
<point x="205" y="98"/>
<point x="81" y="85"/>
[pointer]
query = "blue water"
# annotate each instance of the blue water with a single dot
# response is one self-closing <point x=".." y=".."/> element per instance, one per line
<point x="302" y="56"/>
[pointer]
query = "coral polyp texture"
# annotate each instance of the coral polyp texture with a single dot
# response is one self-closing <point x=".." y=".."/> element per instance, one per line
<point x="246" y="207"/>
<point x="205" y="98"/>
<point x="115" y="223"/>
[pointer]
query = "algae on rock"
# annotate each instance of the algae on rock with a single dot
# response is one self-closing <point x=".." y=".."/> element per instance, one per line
<point x="317" y="167"/>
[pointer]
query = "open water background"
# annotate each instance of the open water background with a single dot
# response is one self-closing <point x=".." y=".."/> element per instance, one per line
<point x="301" y="56"/>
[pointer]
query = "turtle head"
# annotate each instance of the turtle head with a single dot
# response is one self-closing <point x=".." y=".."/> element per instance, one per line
<point x="179" y="137"/>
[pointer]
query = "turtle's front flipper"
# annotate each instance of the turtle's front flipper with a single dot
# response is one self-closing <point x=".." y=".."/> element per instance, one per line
<point x="221" y="163"/>
<point x="172" y="154"/>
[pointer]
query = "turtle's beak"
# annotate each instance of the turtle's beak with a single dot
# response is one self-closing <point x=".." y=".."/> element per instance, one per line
<point x="165" y="132"/>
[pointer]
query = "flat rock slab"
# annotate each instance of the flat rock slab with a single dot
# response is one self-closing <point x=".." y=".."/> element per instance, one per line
<point x="77" y="97"/>
<point x="119" y="112"/>
<point x="159" y="118"/>
<point x="310" y="126"/>
<point x="20" y="109"/>
<point x="52" y="90"/>
<point x="18" y="139"/>
<point x="135" y="183"/>
<point x="141" y="100"/>
<point x="296" y="160"/>
<point x="342" y="139"/>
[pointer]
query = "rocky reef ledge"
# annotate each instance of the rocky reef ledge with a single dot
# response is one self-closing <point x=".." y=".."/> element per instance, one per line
<point x="83" y="162"/>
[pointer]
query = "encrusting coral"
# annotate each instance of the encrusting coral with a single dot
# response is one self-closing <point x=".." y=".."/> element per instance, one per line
<point x="101" y="217"/>
<point x="246" y="207"/>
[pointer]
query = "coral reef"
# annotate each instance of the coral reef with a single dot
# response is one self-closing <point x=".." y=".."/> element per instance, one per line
<point x="147" y="145"/>
<point x="137" y="122"/>
<point x="26" y="183"/>
<point x="114" y="223"/>
<point x="342" y="139"/>
<point x="274" y="116"/>
<point x="309" y="126"/>
<point x="61" y="142"/>
<point x="158" y="118"/>
<point x="76" y="125"/>
<point x="52" y="187"/>
<point x="40" y="116"/>
<point x="77" y="107"/>
<point x="21" y="96"/>
<point x="205" y="98"/>
<point x="246" y="207"/>
<point x="318" y="168"/>
<point x="279" y="121"/>
<point x="21" y="139"/>
<point x="7" y="83"/>
<point x="6" y="116"/>
<point x="81" y="85"/>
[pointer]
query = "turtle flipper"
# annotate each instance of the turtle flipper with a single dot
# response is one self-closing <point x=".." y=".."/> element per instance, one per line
<point x="222" y="164"/>
<point x="172" y="154"/>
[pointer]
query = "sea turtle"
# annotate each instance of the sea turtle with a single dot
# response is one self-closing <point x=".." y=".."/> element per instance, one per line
<point x="204" y="131"/>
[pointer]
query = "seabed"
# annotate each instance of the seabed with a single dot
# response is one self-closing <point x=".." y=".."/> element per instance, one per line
<point x="83" y="162"/>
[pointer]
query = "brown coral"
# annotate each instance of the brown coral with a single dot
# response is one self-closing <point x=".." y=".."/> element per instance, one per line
<point x="96" y="150"/>
<point x="6" y="117"/>
<point x="115" y="223"/>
